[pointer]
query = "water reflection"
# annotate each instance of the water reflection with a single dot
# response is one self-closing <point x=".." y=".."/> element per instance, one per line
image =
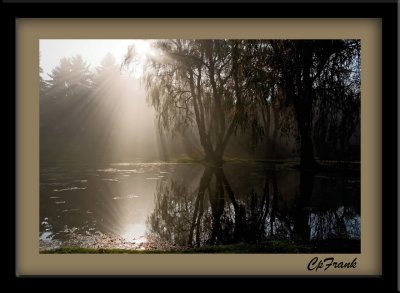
<point x="131" y="205"/>
<point x="91" y="206"/>
<point x="262" y="203"/>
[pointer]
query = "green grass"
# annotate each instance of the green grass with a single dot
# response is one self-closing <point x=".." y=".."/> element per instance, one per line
<point x="270" y="246"/>
<point x="80" y="250"/>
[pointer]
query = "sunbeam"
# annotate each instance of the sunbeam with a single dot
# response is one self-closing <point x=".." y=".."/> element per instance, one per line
<point x="176" y="144"/>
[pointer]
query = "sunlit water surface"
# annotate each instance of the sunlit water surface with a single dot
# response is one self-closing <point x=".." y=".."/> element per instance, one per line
<point x="151" y="205"/>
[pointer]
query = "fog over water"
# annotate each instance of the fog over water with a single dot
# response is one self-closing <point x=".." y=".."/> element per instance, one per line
<point x="181" y="144"/>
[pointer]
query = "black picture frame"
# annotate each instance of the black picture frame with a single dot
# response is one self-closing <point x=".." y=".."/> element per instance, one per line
<point x="387" y="282"/>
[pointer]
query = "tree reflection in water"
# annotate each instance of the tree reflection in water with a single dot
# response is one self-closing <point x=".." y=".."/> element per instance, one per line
<point x="215" y="214"/>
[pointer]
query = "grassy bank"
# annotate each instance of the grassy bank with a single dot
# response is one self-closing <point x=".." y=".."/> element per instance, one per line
<point x="271" y="246"/>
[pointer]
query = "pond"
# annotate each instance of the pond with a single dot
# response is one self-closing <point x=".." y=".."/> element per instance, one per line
<point x="165" y="205"/>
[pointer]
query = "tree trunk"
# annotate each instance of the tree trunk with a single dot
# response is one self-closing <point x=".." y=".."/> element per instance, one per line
<point x="198" y="212"/>
<point x="213" y="159"/>
<point x="307" y="160"/>
<point x="239" y="209"/>
<point x="301" y="227"/>
<point x="275" y="133"/>
<point x="303" y="107"/>
<point x="217" y="202"/>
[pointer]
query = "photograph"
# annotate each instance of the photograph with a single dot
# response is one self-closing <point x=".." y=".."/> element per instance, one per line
<point x="199" y="146"/>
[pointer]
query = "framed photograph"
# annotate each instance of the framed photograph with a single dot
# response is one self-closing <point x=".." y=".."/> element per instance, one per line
<point x="238" y="144"/>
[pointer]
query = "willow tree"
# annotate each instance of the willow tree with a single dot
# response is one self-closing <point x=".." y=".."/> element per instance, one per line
<point x="304" y="68"/>
<point x="337" y="105"/>
<point x="199" y="83"/>
<point x="262" y="82"/>
<point x="216" y="215"/>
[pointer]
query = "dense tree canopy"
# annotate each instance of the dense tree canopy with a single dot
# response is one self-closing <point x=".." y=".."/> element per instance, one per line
<point x="199" y="83"/>
<point x="272" y="93"/>
<point x="315" y="69"/>
<point x="309" y="87"/>
<point x="296" y="100"/>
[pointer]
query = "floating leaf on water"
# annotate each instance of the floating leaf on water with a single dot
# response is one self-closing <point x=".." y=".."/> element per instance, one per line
<point x="127" y="171"/>
<point x="121" y="164"/>
<point x="125" y="197"/>
<point x="110" y="170"/>
<point x="70" y="188"/>
<point x="71" y="210"/>
<point x="53" y="183"/>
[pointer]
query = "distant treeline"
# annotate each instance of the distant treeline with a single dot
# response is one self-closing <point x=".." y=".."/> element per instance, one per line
<point x="81" y="109"/>
<point x="80" y="113"/>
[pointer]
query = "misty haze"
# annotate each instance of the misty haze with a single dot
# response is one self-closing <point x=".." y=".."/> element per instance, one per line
<point x="200" y="146"/>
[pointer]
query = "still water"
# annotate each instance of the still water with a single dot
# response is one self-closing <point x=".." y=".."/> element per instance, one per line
<point x="157" y="205"/>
